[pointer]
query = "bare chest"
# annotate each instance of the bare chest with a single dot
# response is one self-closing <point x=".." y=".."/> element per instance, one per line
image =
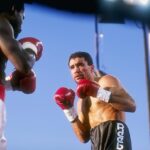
<point x="94" y="112"/>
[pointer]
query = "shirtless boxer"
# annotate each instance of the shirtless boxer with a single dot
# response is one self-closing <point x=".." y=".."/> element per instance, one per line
<point x="101" y="106"/>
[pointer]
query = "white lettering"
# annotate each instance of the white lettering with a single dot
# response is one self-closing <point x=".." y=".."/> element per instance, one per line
<point x="120" y="139"/>
<point x="120" y="136"/>
<point x="119" y="146"/>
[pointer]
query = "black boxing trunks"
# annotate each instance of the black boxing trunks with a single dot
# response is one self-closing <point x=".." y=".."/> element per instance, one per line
<point x="110" y="135"/>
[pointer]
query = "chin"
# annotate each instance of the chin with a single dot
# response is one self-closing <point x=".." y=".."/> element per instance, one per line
<point x="77" y="80"/>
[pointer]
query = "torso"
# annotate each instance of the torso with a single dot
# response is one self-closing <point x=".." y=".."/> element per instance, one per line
<point x="93" y="112"/>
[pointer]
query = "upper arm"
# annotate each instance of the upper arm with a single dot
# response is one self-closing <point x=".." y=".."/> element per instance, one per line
<point x="11" y="48"/>
<point x="120" y="98"/>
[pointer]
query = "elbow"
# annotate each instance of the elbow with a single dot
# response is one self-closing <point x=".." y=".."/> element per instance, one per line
<point x="133" y="109"/>
<point x="133" y="106"/>
<point x="84" y="140"/>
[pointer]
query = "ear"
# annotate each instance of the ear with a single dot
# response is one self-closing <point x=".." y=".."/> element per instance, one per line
<point x="97" y="73"/>
<point x="92" y="68"/>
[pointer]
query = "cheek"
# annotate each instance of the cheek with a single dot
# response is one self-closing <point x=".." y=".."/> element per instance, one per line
<point x="86" y="73"/>
<point x="72" y="73"/>
<point x="84" y="70"/>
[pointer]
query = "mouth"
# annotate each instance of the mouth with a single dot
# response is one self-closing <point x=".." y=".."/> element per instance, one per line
<point x="79" y="77"/>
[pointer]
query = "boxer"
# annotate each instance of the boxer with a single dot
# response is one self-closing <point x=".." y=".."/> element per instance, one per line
<point x="101" y="106"/>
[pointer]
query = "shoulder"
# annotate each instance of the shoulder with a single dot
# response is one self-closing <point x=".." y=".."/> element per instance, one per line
<point x="109" y="81"/>
<point x="109" y="77"/>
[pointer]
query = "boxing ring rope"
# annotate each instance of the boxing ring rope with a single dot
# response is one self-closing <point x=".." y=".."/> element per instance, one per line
<point x="146" y="34"/>
<point x="97" y="42"/>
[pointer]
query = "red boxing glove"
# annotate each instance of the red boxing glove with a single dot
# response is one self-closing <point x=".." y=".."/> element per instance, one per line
<point x="33" y="44"/>
<point x="23" y="82"/>
<point x="64" y="98"/>
<point x="90" y="88"/>
<point x="87" y="88"/>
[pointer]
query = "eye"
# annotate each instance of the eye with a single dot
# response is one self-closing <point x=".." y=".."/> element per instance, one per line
<point x="80" y="64"/>
<point x="71" y="67"/>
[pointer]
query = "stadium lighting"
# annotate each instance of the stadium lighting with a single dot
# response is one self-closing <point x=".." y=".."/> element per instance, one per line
<point x="137" y="2"/>
<point x="125" y="9"/>
<point x="144" y="2"/>
<point x="111" y="0"/>
<point x="131" y="2"/>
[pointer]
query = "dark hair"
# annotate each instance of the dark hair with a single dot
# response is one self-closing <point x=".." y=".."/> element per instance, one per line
<point x="85" y="55"/>
<point x="6" y="5"/>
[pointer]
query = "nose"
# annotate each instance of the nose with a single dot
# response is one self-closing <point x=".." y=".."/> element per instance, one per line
<point x="76" y="69"/>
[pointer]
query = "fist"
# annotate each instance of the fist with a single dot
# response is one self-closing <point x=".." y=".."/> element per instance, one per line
<point x="33" y="44"/>
<point x="64" y="97"/>
<point x="87" y="88"/>
<point x="23" y="82"/>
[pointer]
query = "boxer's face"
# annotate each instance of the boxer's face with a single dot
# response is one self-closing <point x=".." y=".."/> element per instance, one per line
<point x="80" y="69"/>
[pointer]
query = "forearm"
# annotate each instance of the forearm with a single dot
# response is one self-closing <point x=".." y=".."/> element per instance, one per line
<point x="80" y="131"/>
<point x="17" y="57"/>
<point x="121" y="100"/>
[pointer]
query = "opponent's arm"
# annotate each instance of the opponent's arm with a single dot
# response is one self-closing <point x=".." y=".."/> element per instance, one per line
<point x="12" y="49"/>
<point x="22" y="53"/>
<point x="108" y="90"/>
